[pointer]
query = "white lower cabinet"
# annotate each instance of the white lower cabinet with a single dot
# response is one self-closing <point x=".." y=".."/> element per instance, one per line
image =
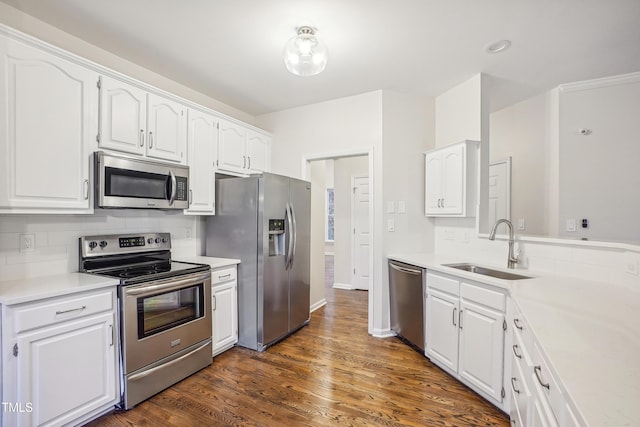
<point x="224" y="305"/>
<point x="538" y="399"/>
<point x="465" y="332"/>
<point x="59" y="359"/>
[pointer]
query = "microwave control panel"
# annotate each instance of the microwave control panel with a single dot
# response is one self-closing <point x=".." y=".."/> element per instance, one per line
<point x="182" y="188"/>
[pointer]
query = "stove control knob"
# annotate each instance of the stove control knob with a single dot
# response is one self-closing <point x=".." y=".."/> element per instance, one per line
<point x="103" y="244"/>
<point x="158" y="240"/>
<point x="92" y="245"/>
<point x="164" y="240"/>
<point x="149" y="240"/>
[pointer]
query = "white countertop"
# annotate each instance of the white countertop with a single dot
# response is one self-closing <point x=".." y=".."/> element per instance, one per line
<point x="26" y="290"/>
<point x="587" y="330"/>
<point x="212" y="261"/>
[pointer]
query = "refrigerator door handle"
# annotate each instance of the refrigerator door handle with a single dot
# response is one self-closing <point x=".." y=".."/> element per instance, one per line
<point x="289" y="218"/>
<point x="295" y="235"/>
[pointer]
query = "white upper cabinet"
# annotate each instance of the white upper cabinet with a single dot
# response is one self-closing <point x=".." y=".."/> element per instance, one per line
<point x="450" y="180"/>
<point x="258" y="149"/>
<point x="47" y="120"/>
<point x="135" y="121"/>
<point x="242" y="150"/>
<point x="202" y="147"/>
<point x="167" y="124"/>
<point x="231" y="147"/>
<point x="123" y="116"/>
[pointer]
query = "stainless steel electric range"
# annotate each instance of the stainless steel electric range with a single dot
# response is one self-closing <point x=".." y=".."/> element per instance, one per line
<point x="164" y="309"/>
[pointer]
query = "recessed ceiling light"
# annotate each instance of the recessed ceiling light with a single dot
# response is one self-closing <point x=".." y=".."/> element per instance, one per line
<point x="499" y="46"/>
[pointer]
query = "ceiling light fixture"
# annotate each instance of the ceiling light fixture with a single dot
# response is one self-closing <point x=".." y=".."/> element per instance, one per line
<point x="304" y="54"/>
<point x="499" y="46"/>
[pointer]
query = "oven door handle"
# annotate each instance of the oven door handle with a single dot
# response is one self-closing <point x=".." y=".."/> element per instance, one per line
<point x="166" y="284"/>
<point x="166" y="365"/>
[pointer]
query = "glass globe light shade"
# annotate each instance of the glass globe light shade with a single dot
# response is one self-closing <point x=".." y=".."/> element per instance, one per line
<point x="304" y="54"/>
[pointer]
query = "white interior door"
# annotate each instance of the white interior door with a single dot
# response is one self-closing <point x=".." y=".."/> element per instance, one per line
<point x="360" y="242"/>
<point x="499" y="190"/>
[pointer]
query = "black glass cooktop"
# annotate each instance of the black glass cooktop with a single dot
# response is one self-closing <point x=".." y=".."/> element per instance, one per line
<point x="139" y="273"/>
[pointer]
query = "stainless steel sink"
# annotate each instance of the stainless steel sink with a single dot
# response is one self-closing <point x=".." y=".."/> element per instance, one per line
<point x="472" y="268"/>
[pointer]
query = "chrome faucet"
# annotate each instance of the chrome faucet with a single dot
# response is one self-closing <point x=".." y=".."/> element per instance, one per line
<point x="512" y="259"/>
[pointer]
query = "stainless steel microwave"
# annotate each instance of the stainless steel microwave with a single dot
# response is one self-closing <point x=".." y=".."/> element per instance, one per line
<point x="129" y="182"/>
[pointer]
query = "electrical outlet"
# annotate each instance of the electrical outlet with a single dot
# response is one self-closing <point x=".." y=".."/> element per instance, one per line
<point x="27" y="242"/>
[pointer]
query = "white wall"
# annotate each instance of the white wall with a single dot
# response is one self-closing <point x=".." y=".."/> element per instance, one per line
<point x="46" y="32"/>
<point x="522" y="132"/>
<point x="57" y="237"/>
<point x="600" y="175"/>
<point x="344" y="169"/>
<point x="318" y="176"/>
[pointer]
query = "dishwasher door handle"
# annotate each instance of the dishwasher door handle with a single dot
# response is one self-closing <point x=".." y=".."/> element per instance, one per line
<point x="405" y="270"/>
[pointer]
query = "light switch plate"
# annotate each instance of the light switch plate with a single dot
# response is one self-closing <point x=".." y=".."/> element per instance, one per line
<point x="402" y="207"/>
<point x="571" y="225"/>
<point x="521" y="224"/>
<point x="391" y="207"/>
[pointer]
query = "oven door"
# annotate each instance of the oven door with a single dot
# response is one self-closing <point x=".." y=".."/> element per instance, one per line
<point x="124" y="182"/>
<point x="163" y="317"/>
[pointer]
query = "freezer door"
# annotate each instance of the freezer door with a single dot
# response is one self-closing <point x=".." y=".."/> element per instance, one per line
<point x="273" y="286"/>
<point x="234" y="233"/>
<point x="299" y="273"/>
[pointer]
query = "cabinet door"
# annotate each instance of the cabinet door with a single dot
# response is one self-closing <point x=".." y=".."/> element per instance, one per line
<point x="225" y="316"/>
<point x="442" y="329"/>
<point x="258" y="148"/>
<point x="167" y="123"/>
<point x="202" y="137"/>
<point x="67" y="371"/>
<point x="47" y="118"/>
<point x="433" y="183"/>
<point x="123" y="116"/>
<point x="453" y="179"/>
<point x="231" y="147"/>
<point x="481" y="348"/>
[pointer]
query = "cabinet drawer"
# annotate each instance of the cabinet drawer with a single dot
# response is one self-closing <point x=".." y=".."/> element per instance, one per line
<point x="443" y="283"/>
<point x="35" y="315"/>
<point x="223" y="275"/>
<point x="488" y="297"/>
<point x="546" y="384"/>
<point x="523" y="332"/>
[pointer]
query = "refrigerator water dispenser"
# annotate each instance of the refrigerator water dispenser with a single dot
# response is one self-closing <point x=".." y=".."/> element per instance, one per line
<point x="276" y="237"/>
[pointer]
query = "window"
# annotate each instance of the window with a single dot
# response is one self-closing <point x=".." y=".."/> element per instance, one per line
<point x="330" y="211"/>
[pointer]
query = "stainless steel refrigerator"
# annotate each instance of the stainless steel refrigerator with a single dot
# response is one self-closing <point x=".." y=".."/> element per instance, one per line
<point x="264" y="221"/>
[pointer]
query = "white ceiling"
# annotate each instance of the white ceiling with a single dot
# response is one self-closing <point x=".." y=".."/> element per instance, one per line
<point x="232" y="50"/>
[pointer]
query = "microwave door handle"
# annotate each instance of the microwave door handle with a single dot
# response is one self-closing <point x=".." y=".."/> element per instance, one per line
<point x="173" y="187"/>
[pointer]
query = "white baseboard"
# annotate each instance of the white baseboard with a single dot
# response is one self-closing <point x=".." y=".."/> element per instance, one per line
<point x="383" y="333"/>
<point x="318" y="305"/>
<point x="345" y="286"/>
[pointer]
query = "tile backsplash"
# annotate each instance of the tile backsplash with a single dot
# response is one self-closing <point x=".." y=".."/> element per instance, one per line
<point x="56" y="237"/>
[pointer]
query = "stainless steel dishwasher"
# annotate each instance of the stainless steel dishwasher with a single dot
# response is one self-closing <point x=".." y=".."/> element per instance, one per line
<point x="406" y="301"/>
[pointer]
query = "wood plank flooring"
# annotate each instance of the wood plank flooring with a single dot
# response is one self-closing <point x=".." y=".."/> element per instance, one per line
<point x="331" y="372"/>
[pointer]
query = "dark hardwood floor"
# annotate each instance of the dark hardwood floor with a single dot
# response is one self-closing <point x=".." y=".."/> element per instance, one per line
<point x="331" y="372"/>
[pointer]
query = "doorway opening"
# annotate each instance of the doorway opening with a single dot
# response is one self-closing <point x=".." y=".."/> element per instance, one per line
<point x="342" y="223"/>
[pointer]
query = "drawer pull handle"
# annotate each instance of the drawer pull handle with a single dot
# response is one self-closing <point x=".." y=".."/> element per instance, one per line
<point x="224" y="276"/>
<point x="515" y="351"/>
<point x="215" y="303"/>
<point x="538" y="370"/>
<point x="517" y="323"/>
<point x="513" y="385"/>
<point x="454" y="316"/>
<point x="70" y="311"/>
